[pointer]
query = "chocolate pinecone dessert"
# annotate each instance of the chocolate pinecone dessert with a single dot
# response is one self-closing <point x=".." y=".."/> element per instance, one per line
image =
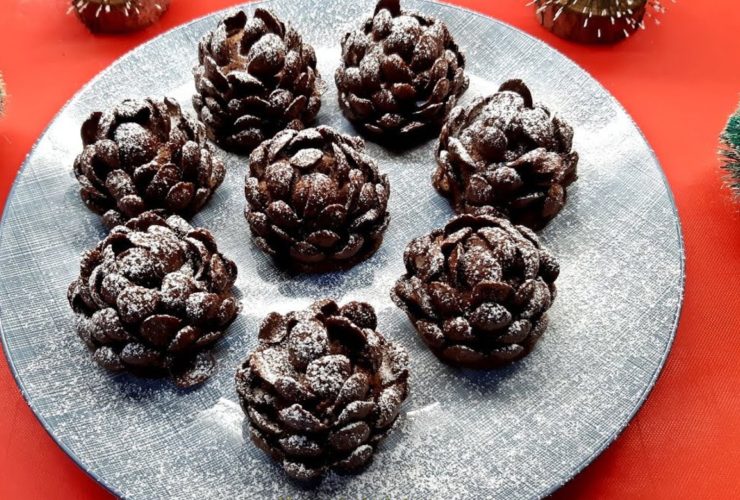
<point x="315" y="201"/>
<point x="152" y="297"/>
<point x="145" y="155"/>
<point x="478" y="290"/>
<point x="506" y="156"/>
<point x="255" y="77"/>
<point x="323" y="388"/>
<point x="401" y="74"/>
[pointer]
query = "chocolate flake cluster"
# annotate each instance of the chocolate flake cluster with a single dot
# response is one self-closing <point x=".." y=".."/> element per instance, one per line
<point x="323" y="388"/>
<point x="506" y="156"/>
<point x="315" y="200"/>
<point x="255" y="77"/>
<point x="145" y="155"/>
<point x="478" y="290"/>
<point x="401" y="74"/>
<point x="153" y="296"/>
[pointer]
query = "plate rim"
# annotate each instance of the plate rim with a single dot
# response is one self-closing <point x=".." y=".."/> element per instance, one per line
<point x="221" y="12"/>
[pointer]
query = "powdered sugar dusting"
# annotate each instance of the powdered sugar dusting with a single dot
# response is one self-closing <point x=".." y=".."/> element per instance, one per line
<point x="308" y="340"/>
<point x="326" y="375"/>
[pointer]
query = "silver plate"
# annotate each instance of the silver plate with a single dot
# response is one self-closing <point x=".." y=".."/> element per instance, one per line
<point x="519" y="432"/>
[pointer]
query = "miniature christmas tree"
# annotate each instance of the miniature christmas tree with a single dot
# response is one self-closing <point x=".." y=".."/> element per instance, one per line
<point x="596" y="21"/>
<point x="730" y="151"/>
<point x="118" y="16"/>
<point x="2" y="96"/>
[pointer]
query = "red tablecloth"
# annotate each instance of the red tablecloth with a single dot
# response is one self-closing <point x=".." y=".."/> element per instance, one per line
<point x="679" y="81"/>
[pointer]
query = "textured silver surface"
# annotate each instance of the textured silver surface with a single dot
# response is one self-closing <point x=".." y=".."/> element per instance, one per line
<point x="516" y="433"/>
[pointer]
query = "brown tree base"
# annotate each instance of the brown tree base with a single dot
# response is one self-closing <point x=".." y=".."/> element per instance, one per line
<point x="584" y="22"/>
<point x="119" y="16"/>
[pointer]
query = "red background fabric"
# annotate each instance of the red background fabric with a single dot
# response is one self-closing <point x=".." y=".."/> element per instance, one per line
<point x="679" y="81"/>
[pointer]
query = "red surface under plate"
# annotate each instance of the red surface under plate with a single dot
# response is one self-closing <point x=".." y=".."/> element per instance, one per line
<point x="679" y="81"/>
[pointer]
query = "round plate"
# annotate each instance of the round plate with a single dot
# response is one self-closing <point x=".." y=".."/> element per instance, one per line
<point x="518" y="432"/>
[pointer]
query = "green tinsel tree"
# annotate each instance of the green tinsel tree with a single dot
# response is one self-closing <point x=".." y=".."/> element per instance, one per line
<point x="2" y="95"/>
<point x="730" y="151"/>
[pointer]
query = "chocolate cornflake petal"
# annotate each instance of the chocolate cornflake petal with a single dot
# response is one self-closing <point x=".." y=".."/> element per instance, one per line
<point x="324" y="307"/>
<point x="180" y="196"/>
<point x="307" y="341"/>
<point x="351" y="248"/>
<point x="479" y="264"/>
<point x="342" y="327"/>
<point x="430" y="333"/>
<point x="520" y="88"/>
<point x="490" y="317"/>
<point x="359" y="457"/>
<point x="425" y="258"/>
<point x="159" y="329"/>
<point x="463" y="355"/>
<point x="506" y="354"/>
<point x="354" y="388"/>
<point x="323" y="238"/>
<point x="281" y="214"/>
<point x="297" y="418"/>
<point x="516" y="332"/>
<point x="301" y="471"/>
<point x="326" y="375"/>
<point x="261" y="442"/>
<point x="491" y="291"/>
<point x="554" y="201"/>
<point x="209" y="338"/>
<point x="388" y="406"/>
<point x="136" y="302"/>
<point x="539" y="299"/>
<point x="184" y="339"/>
<point x="306" y="253"/>
<point x="394" y="367"/>
<point x="140" y="356"/>
<point x="270" y="364"/>
<point x="291" y="390"/>
<point x="458" y="329"/>
<point x="549" y="267"/>
<point x="264" y="423"/>
<point x="274" y="328"/>
<point x="194" y="372"/>
<point x="111" y="285"/>
<point x="445" y="298"/>
<point x="355" y="410"/>
<point x="350" y="436"/>
<point x="106" y="326"/>
<point x="90" y="127"/>
<point x="392" y="6"/>
<point x="300" y="446"/>
<point x="202" y="307"/>
<point x="306" y="158"/>
<point x="360" y="313"/>
<point x="108" y="358"/>
<point x="538" y="329"/>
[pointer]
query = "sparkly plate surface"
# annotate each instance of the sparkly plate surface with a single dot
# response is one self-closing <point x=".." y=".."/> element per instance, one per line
<point x="519" y="432"/>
